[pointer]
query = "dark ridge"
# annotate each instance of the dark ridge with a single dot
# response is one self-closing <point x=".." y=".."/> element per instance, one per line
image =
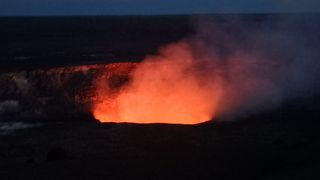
<point x="51" y="41"/>
<point x="58" y="41"/>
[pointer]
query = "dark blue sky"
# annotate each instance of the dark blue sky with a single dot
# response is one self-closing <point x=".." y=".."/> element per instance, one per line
<point x="118" y="7"/>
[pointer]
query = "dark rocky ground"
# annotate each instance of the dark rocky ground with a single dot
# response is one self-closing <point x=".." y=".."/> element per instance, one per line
<point x="281" y="143"/>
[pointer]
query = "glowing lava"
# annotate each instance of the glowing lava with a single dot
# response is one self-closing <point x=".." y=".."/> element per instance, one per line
<point x="167" y="88"/>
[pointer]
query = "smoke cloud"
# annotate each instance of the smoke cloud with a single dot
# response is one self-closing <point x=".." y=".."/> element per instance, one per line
<point x="263" y="64"/>
<point x="230" y="67"/>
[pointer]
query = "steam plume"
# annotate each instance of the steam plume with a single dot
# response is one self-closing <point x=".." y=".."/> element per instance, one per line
<point x="225" y="69"/>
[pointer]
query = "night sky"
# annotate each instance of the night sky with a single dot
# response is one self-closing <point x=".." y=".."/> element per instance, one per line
<point x="150" y="7"/>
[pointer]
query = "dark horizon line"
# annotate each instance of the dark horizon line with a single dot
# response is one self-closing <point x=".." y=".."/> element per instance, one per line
<point x="178" y="14"/>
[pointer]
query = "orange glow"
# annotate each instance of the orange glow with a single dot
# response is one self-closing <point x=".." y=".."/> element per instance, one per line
<point x="168" y="88"/>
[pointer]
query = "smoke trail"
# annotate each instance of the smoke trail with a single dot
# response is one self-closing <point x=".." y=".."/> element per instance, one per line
<point x="264" y="63"/>
<point x="225" y="69"/>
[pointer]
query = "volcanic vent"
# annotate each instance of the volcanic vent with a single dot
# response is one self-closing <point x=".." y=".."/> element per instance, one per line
<point x="221" y="71"/>
<point x="169" y="88"/>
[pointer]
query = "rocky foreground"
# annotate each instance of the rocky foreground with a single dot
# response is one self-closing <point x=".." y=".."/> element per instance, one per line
<point x="280" y="144"/>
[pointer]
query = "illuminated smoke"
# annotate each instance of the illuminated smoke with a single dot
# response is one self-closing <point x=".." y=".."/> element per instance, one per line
<point x="224" y="70"/>
<point x="168" y="88"/>
<point x="177" y="87"/>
